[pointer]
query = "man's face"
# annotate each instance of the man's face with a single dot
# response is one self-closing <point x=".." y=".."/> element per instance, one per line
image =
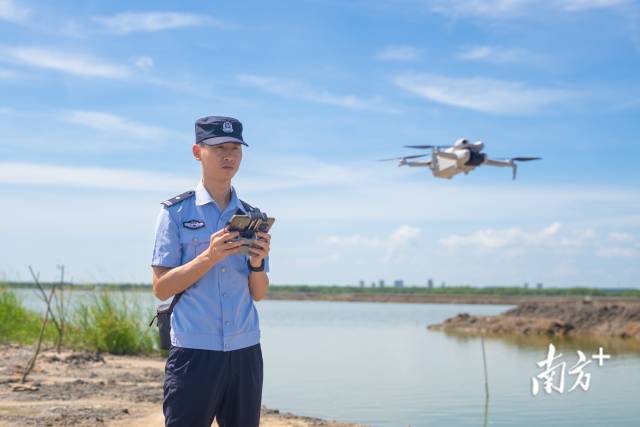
<point x="219" y="162"/>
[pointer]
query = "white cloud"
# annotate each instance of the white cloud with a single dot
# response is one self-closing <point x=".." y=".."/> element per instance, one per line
<point x="354" y="240"/>
<point x="90" y="177"/>
<point x="87" y="66"/>
<point x="277" y="174"/>
<point x="110" y="123"/>
<point x="554" y="242"/>
<point x="581" y="5"/>
<point x="627" y="246"/>
<point x="514" y="8"/>
<point x="509" y="238"/>
<point x="397" y="240"/>
<point x="489" y="8"/>
<point x="144" y="62"/>
<point x="615" y="252"/>
<point x="64" y="62"/>
<point x="481" y="94"/>
<point x="484" y="239"/>
<point x="296" y="90"/>
<point x="399" y="53"/>
<point x="6" y="74"/>
<point x="621" y="237"/>
<point x="284" y="171"/>
<point x="578" y="238"/>
<point x="10" y="11"/>
<point x="128" y="22"/>
<point x="496" y="55"/>
<point x="401" y="237"/>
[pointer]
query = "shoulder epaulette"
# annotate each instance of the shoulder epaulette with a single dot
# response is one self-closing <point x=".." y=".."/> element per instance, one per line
<point x="179" y="198"/>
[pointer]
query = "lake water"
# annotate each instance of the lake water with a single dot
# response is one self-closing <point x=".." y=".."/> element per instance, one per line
<point x="377" y="364"/>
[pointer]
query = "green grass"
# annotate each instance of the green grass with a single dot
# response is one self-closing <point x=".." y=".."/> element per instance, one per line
<point x="111" y="324"/>
<point x="108" y="323"/>
<point x="19" y="325"/>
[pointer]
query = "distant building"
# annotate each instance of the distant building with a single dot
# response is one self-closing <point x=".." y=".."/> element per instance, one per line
<point x="539" y="285"/>
<point x="362" y="283"/>
<point x="443" y="285"/>
<point x="398" y="283"/>
<point x="381" y="283"/>
<point x="430" y="283"/>
<point x="526" y="285"/>
<point x="373" y="284"/>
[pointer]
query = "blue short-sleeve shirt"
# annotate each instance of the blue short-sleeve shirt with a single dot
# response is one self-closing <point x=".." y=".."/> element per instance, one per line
<point x="216" y="312"/>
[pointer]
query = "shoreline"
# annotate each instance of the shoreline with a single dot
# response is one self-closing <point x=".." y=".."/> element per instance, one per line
<point x="91" y="389"/>
<point x="425" y="298"/>
<point x="410" y="295"/>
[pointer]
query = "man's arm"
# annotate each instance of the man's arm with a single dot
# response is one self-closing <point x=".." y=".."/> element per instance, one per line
<point x="258" y="280"/>
<point x="168" y="281"/>
<point x="258" y="284"/>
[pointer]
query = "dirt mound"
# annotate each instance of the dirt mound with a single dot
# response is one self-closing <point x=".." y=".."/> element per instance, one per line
<point x="554" y="319"/>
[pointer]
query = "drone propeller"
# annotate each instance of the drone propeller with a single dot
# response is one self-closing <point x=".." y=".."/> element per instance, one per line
<point x="427" y="146"/>
<point x="403" y="158"/>
<point x="518" y="159"/>
<point x="514" y="165"/>
<point x="525" y="159"/>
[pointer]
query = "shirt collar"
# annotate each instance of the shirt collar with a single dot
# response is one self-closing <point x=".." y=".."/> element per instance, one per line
<point x="203" y="197"/>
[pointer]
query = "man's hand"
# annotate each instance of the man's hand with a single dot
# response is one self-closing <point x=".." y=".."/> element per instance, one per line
<point x="170" y="281"/>
<point x="221" y="245"/>
<point x="259" y="249"/>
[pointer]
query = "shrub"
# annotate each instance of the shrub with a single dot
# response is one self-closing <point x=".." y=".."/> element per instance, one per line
<point x="111" y="324"/>
<point x="19" y="325"/>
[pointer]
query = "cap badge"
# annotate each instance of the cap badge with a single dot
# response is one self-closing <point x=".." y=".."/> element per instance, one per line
<point x="227" y="127"/>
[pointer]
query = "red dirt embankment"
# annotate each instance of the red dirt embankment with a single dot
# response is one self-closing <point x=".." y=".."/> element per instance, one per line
<point x="596" y="318"/>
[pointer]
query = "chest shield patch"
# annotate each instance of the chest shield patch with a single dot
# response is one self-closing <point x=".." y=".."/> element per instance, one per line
<point x="194" y="224"/>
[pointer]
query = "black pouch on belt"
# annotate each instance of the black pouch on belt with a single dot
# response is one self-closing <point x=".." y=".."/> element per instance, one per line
<point x="163" y="321"/>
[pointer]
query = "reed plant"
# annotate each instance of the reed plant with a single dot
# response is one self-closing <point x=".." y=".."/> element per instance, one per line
<point x="106" y="322"/>
<point x="110" y="323"/>
<point x="17" y="324"/>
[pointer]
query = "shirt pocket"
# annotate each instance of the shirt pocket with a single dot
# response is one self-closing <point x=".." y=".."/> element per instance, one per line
<point x="193" y="243"/>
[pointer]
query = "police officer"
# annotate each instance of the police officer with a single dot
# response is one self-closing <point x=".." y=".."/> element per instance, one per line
<point x="214" y="368"/>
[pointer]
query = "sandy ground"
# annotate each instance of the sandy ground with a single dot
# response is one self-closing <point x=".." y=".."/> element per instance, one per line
<point x="87" y="389"/>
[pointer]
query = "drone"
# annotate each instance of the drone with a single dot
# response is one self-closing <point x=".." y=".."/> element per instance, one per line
<point x="446" y="161"/>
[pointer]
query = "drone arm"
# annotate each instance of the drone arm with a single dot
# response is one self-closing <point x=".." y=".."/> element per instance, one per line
<point x="502" y="163"/>
<point x="418" y="164"/>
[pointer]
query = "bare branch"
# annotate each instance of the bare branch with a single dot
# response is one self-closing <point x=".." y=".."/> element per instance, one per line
<point x="45" y="299"/>
<point x="32" y="361"/>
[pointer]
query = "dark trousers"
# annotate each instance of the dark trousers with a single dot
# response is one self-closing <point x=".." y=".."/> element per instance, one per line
<point x="201" y="385"/>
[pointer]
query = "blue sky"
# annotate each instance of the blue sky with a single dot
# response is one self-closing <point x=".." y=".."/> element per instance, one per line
<point x="98" y="101"/>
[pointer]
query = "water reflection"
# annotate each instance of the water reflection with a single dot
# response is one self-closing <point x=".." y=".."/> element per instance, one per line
<point x="613" y="345"/>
